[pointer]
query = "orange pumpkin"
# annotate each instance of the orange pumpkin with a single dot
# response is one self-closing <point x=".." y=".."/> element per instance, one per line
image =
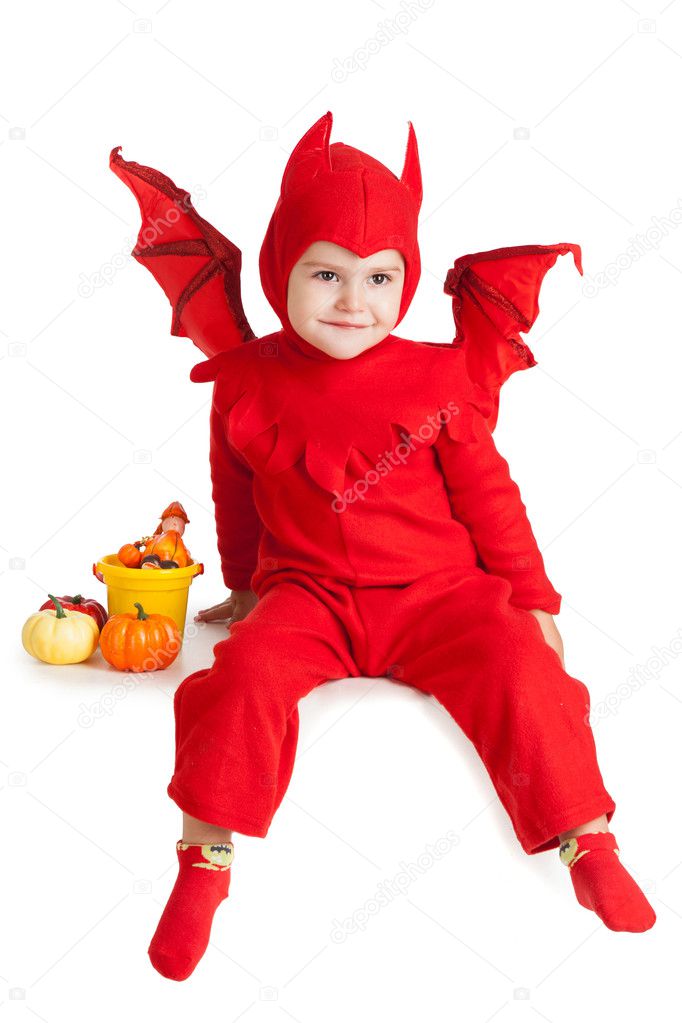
<point x="129" y="555"/>
<point x="140" y="642"/>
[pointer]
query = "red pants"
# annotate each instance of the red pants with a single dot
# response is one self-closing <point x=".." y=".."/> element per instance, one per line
<point x="459" y="639"/>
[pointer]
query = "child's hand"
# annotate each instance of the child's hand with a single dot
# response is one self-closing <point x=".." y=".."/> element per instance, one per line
<point x="550" y="632"/>
<point x="236" y="607"/>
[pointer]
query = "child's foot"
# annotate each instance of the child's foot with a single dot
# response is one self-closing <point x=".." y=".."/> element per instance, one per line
<point x="202" y="883"/>
<point x="602" y="883"/>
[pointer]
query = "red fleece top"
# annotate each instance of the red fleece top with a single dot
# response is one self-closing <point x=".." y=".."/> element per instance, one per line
<point x="374" y="470"/>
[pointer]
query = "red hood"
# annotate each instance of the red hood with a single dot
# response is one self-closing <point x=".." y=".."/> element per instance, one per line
<point x="339" y="194"/>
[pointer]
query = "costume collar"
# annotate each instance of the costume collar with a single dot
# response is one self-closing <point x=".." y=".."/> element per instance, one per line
<point x="295" y="343"/>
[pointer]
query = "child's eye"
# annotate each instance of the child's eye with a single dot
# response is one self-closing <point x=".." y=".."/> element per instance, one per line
<point x="331" y="273"/>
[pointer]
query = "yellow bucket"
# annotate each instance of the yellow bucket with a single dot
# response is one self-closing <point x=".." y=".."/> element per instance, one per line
<point x="160" y="590"/>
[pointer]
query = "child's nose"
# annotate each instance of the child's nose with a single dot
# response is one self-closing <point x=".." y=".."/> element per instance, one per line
<point x="352" y="296"/>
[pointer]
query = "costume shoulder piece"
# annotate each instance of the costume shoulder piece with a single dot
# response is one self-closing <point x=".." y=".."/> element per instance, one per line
<point x="224" y="363"/>
<point x="195" y="265"/>
<point x="494" y="297"/>
<point x="457" y="395"/>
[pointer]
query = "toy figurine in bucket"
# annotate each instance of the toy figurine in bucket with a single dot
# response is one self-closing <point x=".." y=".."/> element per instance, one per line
<point x="367" y="524"/>
<point x="163" y="591"/>
<point x="165" y="548"/>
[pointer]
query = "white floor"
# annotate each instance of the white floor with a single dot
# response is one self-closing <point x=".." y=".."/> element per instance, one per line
<point x="390" y="876"/>
<point x="391" y="883"/>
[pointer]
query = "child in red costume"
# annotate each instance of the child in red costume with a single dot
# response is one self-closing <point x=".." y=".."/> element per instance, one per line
<point x="367" y="525"/>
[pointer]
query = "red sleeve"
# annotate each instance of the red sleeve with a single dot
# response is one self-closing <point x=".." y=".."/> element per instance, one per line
<point x="238" y="524"/>
<point x="485" y="498"/>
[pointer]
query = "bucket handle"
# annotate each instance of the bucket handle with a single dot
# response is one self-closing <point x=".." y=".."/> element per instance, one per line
<point x="201" y="568"/>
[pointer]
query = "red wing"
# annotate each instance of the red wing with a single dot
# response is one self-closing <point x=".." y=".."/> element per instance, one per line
<point x="197" y="267"/>
<point x="494" y="297"/>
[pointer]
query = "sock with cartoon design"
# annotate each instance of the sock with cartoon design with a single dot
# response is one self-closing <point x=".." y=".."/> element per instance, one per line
<point x="184" y="929"/>
<point x="602" y="883"/>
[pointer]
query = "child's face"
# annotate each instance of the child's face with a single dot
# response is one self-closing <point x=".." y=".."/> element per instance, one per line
<point x="330" y="285"/>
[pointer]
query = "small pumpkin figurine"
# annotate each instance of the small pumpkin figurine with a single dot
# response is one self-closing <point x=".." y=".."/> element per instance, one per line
<point x="59" y="636"/>
<point x="166" y="548"/>
<point x="140" y="642"/>
<point x="130" y="554"/>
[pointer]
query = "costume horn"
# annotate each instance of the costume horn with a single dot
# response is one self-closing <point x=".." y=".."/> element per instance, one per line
<point x="411" y="176"/>
<point x="310" y="154"/>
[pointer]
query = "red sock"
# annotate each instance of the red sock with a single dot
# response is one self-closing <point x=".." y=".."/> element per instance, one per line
<point x="202" y="883"/>
<point x="602" y="883"/>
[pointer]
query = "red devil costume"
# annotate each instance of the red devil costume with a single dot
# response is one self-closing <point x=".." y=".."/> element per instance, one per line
<point x="365" y="503"/>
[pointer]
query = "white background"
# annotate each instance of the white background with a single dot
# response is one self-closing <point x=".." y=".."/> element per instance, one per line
<point x="537" y="123"/>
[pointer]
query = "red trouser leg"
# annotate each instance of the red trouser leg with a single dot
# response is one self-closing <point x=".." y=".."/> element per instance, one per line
<point x="488" y="664"/>
<point x="236" y="723"/>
